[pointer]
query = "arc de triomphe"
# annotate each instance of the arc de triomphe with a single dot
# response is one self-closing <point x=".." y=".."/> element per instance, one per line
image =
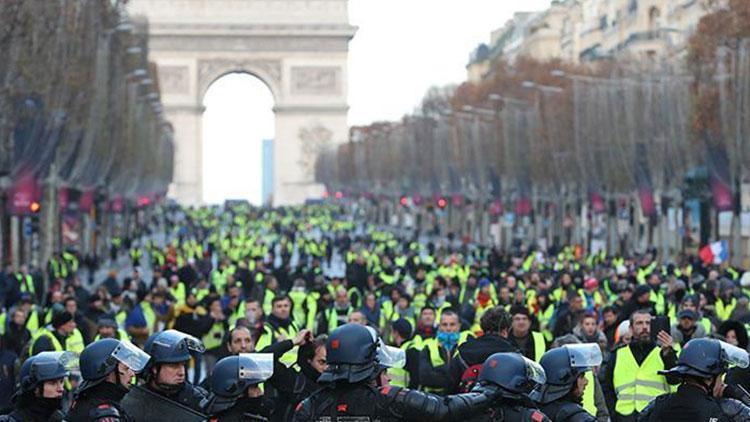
<point x="299" y="48"/>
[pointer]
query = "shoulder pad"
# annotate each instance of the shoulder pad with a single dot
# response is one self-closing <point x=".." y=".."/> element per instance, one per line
<point x="390" y="391"/>
<point x="303" y="411"/>
<point x="104" y="413"/>
<point x="534" y="415"/>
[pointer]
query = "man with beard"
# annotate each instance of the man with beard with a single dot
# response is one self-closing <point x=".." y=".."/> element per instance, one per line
<point x="108" y="367"/>
<point x="631" y="380"/>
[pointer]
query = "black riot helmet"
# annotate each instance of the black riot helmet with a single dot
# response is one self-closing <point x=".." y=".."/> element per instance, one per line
<point x="515" y="376"/>
<point x="172" y="346"/>
<point x="233" y="375"/>
<point x="351" y="352"/>
<point x="706" y="358"/>
<point x="562" y="367"/>
<point x="45" y="366"/>
<point x="355" y="353"/>
<point x="101" y="357"/>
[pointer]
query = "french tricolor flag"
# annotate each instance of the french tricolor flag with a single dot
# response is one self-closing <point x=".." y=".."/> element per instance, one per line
<point x="715" y="253"/>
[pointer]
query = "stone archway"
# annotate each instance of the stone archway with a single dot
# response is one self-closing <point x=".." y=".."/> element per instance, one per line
<point x="298" y="48"/>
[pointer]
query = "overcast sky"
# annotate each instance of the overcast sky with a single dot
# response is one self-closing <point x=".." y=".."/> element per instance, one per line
<point x="403" y="47"/>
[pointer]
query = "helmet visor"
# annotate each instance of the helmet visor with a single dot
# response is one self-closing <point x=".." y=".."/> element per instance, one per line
<point x="535" y="372"/>
<point x="391" y="357"/>
<point x="131" y="356"/>
<point x="584" y="355"/>
<point x="256" y="366"/>
<point x="388" y="356"/>
<point x="733" y="355"/>
<point x="171" y="338"/>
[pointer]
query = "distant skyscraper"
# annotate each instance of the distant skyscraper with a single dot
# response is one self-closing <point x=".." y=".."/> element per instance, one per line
<point x="267" y="189"/>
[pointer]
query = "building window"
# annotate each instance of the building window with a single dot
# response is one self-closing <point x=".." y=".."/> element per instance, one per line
<point x="654" y="19"/>
<point x="633" y="6"/>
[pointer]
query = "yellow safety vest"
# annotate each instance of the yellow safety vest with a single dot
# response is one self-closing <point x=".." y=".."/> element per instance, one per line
<point x="268" y="301"/>
<point x="333" y="320"/>
<point x="215" y="336"/>
<point x="27" y="283"/>
<point x="588" y="394"/>
<point x="44" y="331"/>
<point x="635" y="386"/>
<point x="540" y="346"/>
<point x="269" y="337"/>
<point x="74" y="342"/>
<point x="298" y="309"/>
<point x="400" y="376"/>
<point x="544" y="318"/>
<point x="436" y="359"/>
<point x="179" y="292"/>
<point x="312" y="309"/>
<point x="149" y="315"/>
<point x="32" y="321"/>
<point x="724" y="311"/>
<point x="120" y="318"/>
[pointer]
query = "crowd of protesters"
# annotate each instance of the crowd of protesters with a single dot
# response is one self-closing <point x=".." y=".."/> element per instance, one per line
<point x="242" y="279"/>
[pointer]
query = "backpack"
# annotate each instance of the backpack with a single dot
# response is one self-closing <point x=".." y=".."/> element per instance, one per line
<point x="469" y="377"/>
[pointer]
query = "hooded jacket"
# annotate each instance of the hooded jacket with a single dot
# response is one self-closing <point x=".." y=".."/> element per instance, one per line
<point x="476" y="351"/>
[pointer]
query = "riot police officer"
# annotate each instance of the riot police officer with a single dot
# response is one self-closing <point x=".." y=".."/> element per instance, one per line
<point x="40" y="391"/>
<point x="355" y="386"/>
<point x="166" y="393"/>
<point x="515" y="380"/>
<point x="701" y="395"/>
<point x="565" y="368"/>
<point x="108" y="367"/>
<point x="235" y="391"/>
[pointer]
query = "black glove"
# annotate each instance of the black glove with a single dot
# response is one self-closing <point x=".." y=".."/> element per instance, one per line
<point x="737" y="392"/>
<point x="489" y="390"/>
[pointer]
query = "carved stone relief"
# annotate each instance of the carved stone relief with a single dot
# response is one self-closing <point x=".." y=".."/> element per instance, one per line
<point x="314" y="139"/>
<point x="316" y="80"/>
<point x="174" y="79"/>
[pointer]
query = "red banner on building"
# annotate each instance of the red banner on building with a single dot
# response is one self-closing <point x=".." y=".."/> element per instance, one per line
<point x="25" y="195"/>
